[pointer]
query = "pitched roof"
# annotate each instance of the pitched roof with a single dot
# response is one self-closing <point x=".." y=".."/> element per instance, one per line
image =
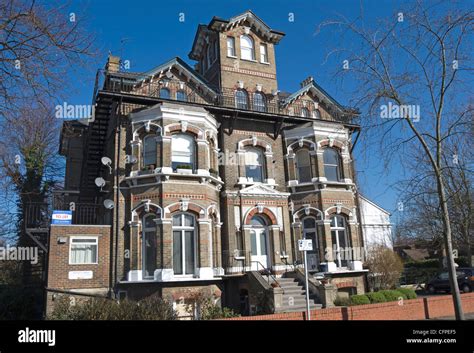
<point x="182" y="66"/>
<point x="218" y="24"/>
<point x="318" y="91"/>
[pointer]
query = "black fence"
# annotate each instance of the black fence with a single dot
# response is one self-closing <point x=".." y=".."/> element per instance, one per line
<point x="172" y="89"/>
<point x="38" y="214"/>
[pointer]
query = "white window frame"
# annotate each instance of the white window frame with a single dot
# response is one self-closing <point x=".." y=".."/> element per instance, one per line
<point x="144" y="230"/>
<point x="252" y="48"/>
<point x="297" y="166"/>
<point x="145" y="140"/>
<point x="338" y="228"/>
<point x="96" y="243"/>
<point x="191" y="153"/>
<point x="232" y="54"/>
<point x="182" y="229"/>
<point x="338" y="165"/>
<point x="264" y="53"/>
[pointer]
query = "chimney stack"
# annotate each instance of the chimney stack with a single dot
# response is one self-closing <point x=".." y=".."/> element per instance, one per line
<point x="113" y="63"/>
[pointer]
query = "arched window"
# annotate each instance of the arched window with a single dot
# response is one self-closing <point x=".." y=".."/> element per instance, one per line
<point x="340" y="240"/>
<point x="310" y="231"/>
<point x="182" y="152"/>
<point x="241" y="99"/>
<point x="305" y="112"/>
<point x="332" y="164"/>
<point x="164" y="93"/>
<point x="303" y="166"/>
<point x="149" y="245"/>
<point x="247" y="50"/>
<point x="149" y="150"/>
<point x="254" y="164"/>
<point x="259" y="102"/>
<point x="184" y="235"/>
<point x="181" y="96"/>
<point x="316" y="114"/>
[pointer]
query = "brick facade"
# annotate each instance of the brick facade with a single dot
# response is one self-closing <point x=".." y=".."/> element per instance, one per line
<point x="413" y="309"/>
<point x="214" y="187"/>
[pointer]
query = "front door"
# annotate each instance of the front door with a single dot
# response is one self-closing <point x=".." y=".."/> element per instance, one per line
<point x="258" y="239"/>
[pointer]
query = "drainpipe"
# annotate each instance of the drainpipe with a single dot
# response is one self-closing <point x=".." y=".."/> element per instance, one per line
<point x="117" y="189"/>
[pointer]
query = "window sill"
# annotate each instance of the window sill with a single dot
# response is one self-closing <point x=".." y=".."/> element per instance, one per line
<point x="232" y="56"/>
<point x="264" y="62"/>
<point x="250" y="60"/>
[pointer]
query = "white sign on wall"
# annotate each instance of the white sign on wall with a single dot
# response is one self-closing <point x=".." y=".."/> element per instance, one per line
<point x="80" y="274"/>
<point x="305" y="245"/>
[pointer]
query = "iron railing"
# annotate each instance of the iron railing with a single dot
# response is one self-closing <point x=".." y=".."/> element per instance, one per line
<point x="38" y="214"/>
<point x="172" y="89"/>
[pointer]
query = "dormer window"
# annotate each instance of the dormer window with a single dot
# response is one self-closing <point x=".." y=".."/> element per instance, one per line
<point x="305" y="112"/>
<point x="259" y="103"/>
<point x="165" y="93"/>
<point x="316" y="114"/>
<point x="263" y="53"/>
<point x="241" y="99"/>
<point x="181" y="96"/>
<point x="247" y="50"/>
<point x="231" y="46"/>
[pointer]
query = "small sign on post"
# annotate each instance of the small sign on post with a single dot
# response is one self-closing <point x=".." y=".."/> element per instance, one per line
<point x="305" y="245"/>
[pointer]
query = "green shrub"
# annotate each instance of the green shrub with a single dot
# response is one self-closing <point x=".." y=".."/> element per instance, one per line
<point x="151" y="308"/>
<point x="359" y="299"/>
<point x="376" y="297"/>
<point x="409" y="293"/>
<point x="429" y="263"/>
<point x="393" y="295"/>
<point x="342" y="301"/>
<point x="211" y="311"/>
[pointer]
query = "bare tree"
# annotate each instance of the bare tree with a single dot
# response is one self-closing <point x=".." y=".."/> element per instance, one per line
<point x="416" y="61"/>
<point x="40" y="45"/>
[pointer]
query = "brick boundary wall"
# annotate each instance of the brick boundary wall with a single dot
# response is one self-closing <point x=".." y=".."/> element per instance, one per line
<point x="413" y="309"/>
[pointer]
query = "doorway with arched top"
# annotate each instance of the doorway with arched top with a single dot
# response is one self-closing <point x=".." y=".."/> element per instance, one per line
<point x="259" y="243"/>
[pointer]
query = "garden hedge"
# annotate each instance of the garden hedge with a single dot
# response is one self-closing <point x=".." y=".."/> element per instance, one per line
<point x="359" y="299"/>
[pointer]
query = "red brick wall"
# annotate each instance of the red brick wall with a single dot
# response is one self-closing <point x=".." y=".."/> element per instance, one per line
<point x="415" y="309"/>
<point x="59" y="267"/>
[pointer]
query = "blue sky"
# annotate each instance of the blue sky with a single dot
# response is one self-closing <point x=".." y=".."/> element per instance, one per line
<point x="147" y="33"/>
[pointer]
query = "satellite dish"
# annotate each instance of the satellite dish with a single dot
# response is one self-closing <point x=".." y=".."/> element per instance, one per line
<point x="109" y="204"/>
<point x="106" y="161"/>
<point x="100" y="182"/>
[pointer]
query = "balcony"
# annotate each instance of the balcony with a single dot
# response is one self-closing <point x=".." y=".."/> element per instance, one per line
<point x="173" y="90"/>
<point x="38" y="214"/>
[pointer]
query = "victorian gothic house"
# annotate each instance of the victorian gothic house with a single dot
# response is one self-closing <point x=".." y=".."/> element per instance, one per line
<point x="203" y="179"/>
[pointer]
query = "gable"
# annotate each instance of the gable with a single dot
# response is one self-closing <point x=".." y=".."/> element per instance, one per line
<point x="176" y="75"/>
